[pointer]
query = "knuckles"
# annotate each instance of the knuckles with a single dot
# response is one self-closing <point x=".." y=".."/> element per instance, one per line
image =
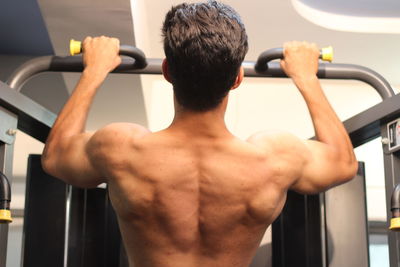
<point x="101" y="41"/>
<point x="297" y="47"/>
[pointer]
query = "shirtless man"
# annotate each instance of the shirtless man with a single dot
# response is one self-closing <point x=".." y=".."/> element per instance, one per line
<point x="193" y="194"/>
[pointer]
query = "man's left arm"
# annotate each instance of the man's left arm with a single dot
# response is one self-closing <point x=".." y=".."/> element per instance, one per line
<point x="67" y="151"/>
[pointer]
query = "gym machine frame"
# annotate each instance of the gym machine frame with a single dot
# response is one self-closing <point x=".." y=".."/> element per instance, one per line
<point x="31" y="118"/>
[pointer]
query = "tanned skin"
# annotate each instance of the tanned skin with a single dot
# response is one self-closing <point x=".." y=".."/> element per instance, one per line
<point x="193" y="194"/>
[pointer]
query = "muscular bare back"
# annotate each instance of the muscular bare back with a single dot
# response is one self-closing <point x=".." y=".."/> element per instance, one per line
<point x="193" y="201"/>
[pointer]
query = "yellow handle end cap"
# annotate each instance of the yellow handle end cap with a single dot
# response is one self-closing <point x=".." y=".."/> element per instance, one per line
<point x="327" y="53"/>
<point x="75" y="47"/>
<point x="395" y="224"/>
<point x="5" y="216"/>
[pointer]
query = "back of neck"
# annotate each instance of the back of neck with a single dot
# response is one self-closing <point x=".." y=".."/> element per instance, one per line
<point x="206" y="123"/>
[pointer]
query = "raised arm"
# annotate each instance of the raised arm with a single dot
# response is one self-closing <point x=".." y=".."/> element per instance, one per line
<point x="313" y="166"/>
<point x="67" y="150"/>
<point x="330" y="159"/>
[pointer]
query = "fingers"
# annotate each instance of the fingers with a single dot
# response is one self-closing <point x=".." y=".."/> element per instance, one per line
<point x="101" y="53"/>
<point x="88" y="39"/>
<point x="300" y="44"/>
<point x="118" y="61"/>
<point x="283" y="64"/>
<point x="101" y="40"/>
<point x="300" y="59"/>
<point x="295" y="46"/>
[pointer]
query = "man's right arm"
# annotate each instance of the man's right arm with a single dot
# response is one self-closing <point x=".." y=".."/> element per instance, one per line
<point x="329" y="160"/>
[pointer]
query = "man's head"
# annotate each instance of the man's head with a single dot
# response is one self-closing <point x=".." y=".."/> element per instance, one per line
<point x="205" y="44"/>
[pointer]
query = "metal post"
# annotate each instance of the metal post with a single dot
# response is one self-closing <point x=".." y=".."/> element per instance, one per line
<point x="3" y="227"/>
<point x="346" y="223"/>
<point x="7" y="132"/>
<point x="392" y="178"/>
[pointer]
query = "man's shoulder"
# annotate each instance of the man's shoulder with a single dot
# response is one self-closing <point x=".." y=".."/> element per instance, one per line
<point x="112" y="142"/>
<point x="272" y="137"/>
<point x="122" y="130"/>
<point x="277" y="142"/>
<point x="118" y="135"/>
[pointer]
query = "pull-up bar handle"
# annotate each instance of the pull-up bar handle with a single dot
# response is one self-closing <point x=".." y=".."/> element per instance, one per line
<point x="75" y="48"/>
<point x="326" y="54"/>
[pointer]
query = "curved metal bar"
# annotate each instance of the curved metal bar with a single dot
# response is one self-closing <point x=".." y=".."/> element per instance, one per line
<point x="330" y="71"/>
<point x="27" y="70"/>
<point x="135" y="53"/>
<point x="360" y="73"/>
<point x="64" y="64"/>
<point x="267" y="56"/>
<point x="74" y="64"/>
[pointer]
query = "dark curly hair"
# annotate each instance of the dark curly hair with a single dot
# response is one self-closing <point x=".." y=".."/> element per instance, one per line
<point x="205" y="45"/>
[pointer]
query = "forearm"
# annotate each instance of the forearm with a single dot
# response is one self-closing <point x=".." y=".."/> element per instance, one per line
<point x="328" y="127"/>
<point x="100" y="57"/>
<point x="72" y="118"/>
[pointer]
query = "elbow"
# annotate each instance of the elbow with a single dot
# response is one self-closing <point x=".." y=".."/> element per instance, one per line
<point x="346" y="164"/>
<point x="48" y="163"/>
<point x="350" y="170"/>
<point x="50" y="157"/>
<point x="50" y="166"/>
<point x="352" y="166"/>
<point x="46" y="158"/>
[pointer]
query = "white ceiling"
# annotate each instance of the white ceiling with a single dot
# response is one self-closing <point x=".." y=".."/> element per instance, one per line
<point x="368" y="18"/>
<point x="364" y="8"/>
